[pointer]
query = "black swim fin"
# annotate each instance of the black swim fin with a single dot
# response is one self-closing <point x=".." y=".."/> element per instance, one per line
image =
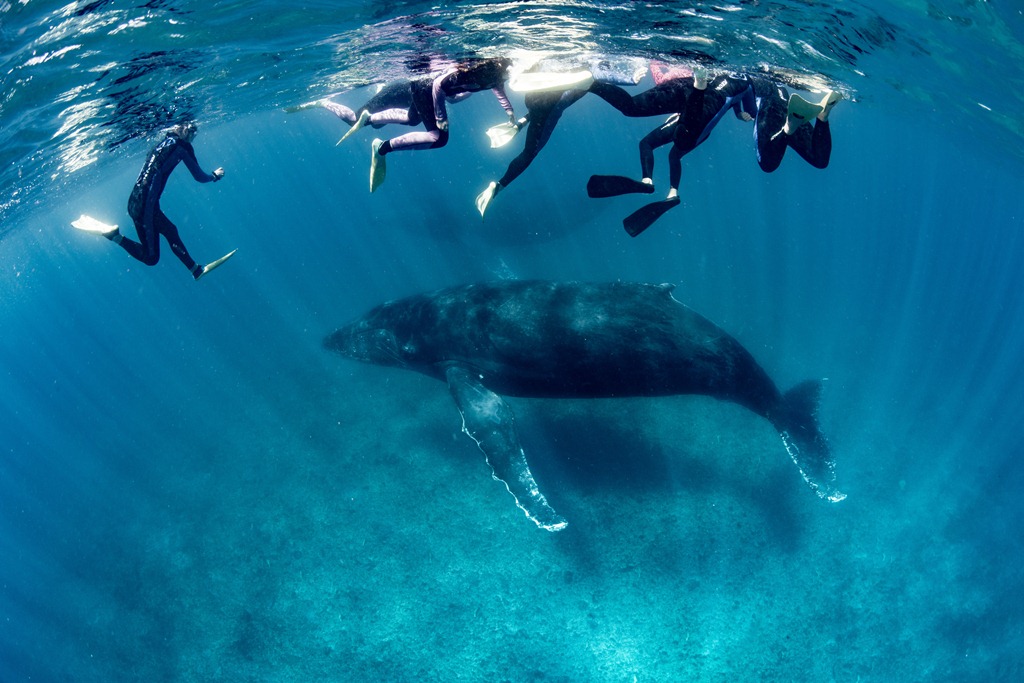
<point x="641" y="219"/>
<point x="614" y="185"/>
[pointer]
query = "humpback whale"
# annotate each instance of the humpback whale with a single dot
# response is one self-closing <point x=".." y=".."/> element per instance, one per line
<point x="573" y="340"/>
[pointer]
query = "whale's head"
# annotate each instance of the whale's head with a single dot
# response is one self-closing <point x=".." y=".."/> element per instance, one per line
<point x="364" y="341"/>
<point x="390" y="334"/>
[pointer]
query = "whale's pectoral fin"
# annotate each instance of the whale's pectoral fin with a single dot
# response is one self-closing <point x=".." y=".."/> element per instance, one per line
<point x="489" y="421"/>
<point x="806" y="445"/>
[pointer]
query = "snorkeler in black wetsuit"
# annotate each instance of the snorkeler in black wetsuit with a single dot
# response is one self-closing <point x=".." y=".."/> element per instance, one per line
<point x="696" y="109"/>
<point x="695" y="106"/>
<point x="544" y="109"/>
<point x="144" y="202"/>
<point x="453" y="85"/>
<point x="779" y="123"/>
<point x="782" y="122"/>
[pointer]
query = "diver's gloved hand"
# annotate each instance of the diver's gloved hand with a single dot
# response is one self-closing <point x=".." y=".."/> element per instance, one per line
<point x="217" y="174"/>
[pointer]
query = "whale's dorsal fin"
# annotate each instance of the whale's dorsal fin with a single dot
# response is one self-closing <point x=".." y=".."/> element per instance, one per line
<point x="666" y="289"/>
<point x="489" y="421"/>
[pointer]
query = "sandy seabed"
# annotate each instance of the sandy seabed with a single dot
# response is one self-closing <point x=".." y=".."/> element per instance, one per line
<point x="356" y="534"/>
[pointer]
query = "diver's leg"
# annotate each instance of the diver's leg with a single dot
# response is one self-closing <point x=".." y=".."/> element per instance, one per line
<point x="675" y="170"/>
<point x="428" y="139"/>
<point x="687" y="133"/>
<point x="170" y="233"/>
<point x="662" y="135"/>
<point x="813" y="143"/>
<point x="542" y="120"/>
<point x="770" y="142"/>
<point x="615" y="96"/>
<point x="340" y="110"/>
<point x="147" y="249"/>
<point x="431" y="138"/>
<point x="397" y="115"/>
<point x="666" y="98"/>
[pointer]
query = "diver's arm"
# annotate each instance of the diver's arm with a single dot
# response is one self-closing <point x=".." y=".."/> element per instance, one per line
<point x="188" y="155"/>
<point x="503" y="100"/>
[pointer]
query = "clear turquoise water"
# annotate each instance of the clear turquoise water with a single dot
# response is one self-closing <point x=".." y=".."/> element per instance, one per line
<point x="192" y="489"/>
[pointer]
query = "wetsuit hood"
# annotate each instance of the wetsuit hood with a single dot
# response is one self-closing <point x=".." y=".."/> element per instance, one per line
<point x="186" y="131"/>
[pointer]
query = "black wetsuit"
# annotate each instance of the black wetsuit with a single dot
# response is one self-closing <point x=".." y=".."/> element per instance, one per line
<point x="758" y="97"/>
<point x="666" y="98"/>
<point x="144" y="202"/>
<point x="812" y="142"/>
<point x="544" y="109"/>
<point x="697" y="112"/>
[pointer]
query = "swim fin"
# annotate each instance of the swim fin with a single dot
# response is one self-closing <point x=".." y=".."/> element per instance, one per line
<point x="641" y="219"/>
<point x="615" y="185"/>
<point x="378" y="166"/>
<point x="291" y="109"/>
<point x="538" y="81"/>
<point x="90" y="224"/>
<point x="798" y="112"/>
<point x="483" y="200"/>
<point x="364" y="118"/>
<point x="831" y="98"/>
<point x="213" y="265"/>
<point x="502" y="134"/>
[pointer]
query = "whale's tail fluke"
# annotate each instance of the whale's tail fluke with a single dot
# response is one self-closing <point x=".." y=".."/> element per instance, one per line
<point x="797" y="422"/>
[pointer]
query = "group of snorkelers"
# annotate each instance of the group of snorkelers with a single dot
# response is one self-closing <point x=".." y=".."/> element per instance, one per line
<point x="693" y="100"/>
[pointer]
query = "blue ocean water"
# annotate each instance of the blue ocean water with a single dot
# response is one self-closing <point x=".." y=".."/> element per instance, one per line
<point x="192" y="488"/>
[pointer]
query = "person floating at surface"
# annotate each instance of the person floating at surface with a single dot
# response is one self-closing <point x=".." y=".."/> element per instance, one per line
<point x="544" y="109"/>
<point x="698" y="107"/>
<point x="779" y="119"/>
<point x="454" y="85"/>
<point x="144" y="203"/>
<point x="393" y="103"/>
<point x="782" y="122"/>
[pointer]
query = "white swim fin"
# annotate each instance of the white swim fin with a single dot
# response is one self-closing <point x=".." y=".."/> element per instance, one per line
<point x="364" y="118"/>
<point x="293" y="108"/>
<point x="503" y="133"/>
<point x="90" y="224"/>
<point x="539" y="81"/>
<point x="213" y="265"/>
<point x="378" y="165"/>
<point x="799" y="112"/>
<point x="831" y="98"/>
<point x="483" y="200"/>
